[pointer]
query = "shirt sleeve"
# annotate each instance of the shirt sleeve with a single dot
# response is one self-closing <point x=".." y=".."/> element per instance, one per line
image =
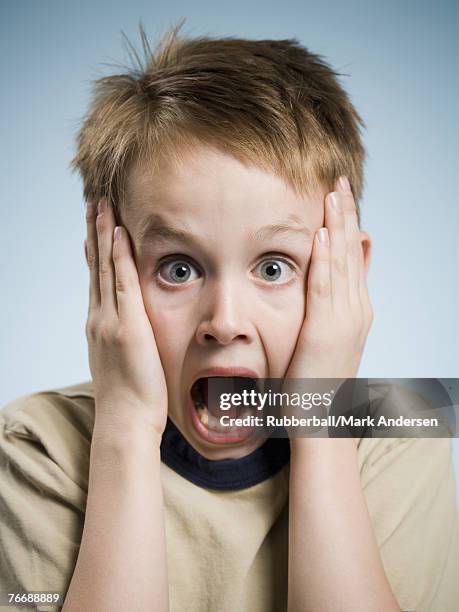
<point x="410" y="491"/>
<point x="41" y="508"/>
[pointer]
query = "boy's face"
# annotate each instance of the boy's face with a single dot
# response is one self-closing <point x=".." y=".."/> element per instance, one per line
<point x="222" y="272"/>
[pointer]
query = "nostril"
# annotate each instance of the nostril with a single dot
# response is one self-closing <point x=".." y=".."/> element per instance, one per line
<point x="224" y="339"/>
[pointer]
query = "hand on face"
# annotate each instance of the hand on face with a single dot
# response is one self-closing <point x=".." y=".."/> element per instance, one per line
<point x="338" y="309"/>
<point x="125" y="366"/>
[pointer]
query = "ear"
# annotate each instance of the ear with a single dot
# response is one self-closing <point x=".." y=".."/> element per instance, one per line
<point x="366" y="243"/>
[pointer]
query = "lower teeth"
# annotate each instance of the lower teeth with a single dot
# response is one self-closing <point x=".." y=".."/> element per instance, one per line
<point x="213" y="423"/>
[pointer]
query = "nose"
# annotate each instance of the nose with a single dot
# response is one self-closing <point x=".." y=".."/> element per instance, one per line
<point x="223" y="321"/>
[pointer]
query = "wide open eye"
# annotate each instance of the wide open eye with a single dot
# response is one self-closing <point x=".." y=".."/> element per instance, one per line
<point x="275" y="270"/>
<point x="178" y="271"/>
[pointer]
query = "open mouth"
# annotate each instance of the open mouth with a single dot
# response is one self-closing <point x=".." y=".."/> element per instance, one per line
<point x="209" y="410"/>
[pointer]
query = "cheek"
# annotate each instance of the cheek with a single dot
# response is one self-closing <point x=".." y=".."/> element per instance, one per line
<point x="171" y="327"/>
<point x="279" y="329"/>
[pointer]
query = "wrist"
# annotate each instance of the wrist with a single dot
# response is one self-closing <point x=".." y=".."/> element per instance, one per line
<point x="125" y="431"/>
<point x="313" y="446"/>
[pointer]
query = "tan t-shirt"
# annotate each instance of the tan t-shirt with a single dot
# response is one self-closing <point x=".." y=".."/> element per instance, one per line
<point x="227" y="550"/>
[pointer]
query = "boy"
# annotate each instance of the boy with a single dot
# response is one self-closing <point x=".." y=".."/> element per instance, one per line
<point x="227" y="173"/>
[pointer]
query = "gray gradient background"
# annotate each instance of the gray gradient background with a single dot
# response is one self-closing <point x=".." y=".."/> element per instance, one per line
<point x="402" y="62"/>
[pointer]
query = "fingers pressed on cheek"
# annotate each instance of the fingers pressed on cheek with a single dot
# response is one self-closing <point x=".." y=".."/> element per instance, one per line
<point x="353" y="247"/>
<point x="322" y="237"/>
<point x="92" y="256"/>
<point x="127" y="285"/>
<point x="104" y="224"/>
<point x="319" y="280"/>
<point x="338" y="249"/>
<point x="356" y="266"/>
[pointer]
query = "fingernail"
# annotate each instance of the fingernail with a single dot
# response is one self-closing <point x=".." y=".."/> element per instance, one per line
<point x="343" y="183"/>
<point x="117" y="233"/>
<point x="323" y="235"/>
<point x="336" y="202"/>
<point x="102" y="207"/>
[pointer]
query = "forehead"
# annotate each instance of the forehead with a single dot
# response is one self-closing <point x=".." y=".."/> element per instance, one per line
<point x="208" y="188"/>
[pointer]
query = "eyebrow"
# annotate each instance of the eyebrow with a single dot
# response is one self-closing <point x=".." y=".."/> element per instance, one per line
<point x="156" y="229"/>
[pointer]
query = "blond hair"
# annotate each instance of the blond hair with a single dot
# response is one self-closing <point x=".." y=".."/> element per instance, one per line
<point x="271" y="103"/>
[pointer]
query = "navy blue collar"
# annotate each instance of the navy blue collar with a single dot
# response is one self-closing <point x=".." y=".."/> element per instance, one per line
<point x="223" y="474"/>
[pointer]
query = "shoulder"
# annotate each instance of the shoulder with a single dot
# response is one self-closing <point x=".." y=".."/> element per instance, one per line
<point x="410" y="491"/>
<point x="44" y="468"/>
<point x="412" y="446"/>
<point x="73" y="404"/>
<point x="418" y="460"/>
<point x="53" y="428"/>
